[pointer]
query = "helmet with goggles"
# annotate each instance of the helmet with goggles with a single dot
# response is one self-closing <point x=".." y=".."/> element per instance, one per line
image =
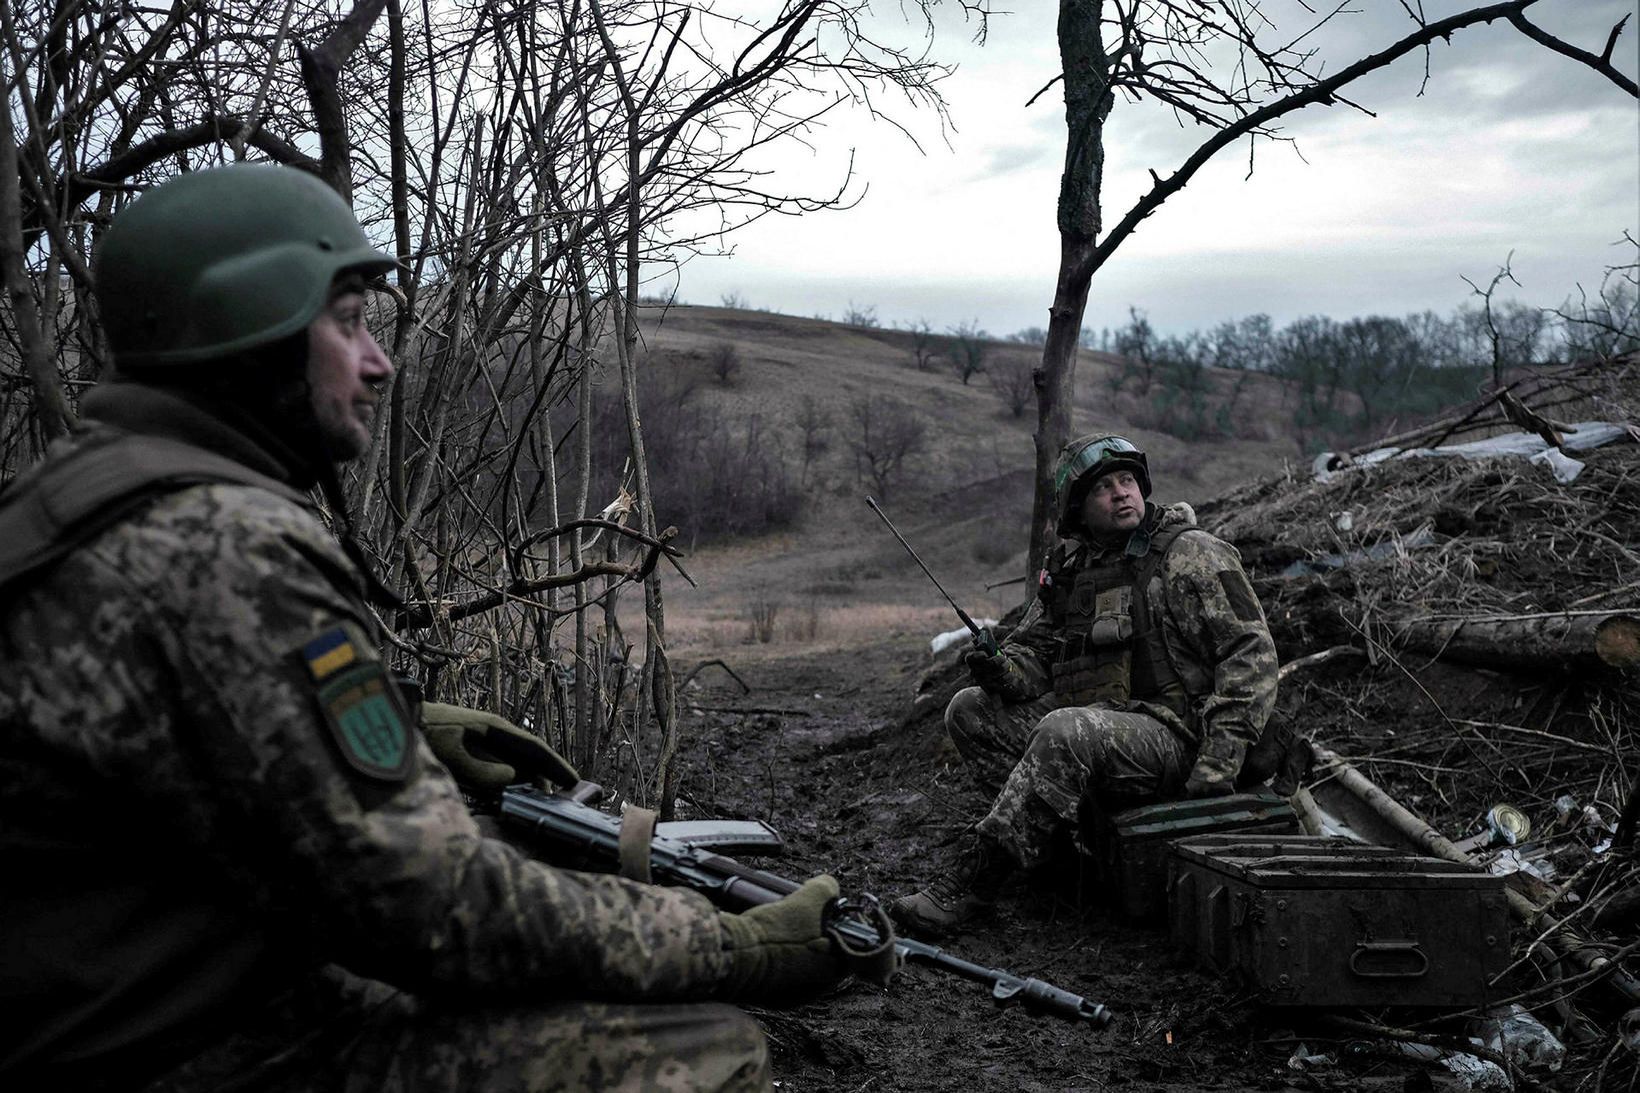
<point x="1081" y="463"/>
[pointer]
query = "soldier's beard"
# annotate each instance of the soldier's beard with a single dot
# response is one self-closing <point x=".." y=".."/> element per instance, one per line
<point x="264" y="393"/>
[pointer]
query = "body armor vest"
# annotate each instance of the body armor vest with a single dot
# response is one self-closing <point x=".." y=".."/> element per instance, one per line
<point x="64" y="503"/>
<point x="1111" y="649"/>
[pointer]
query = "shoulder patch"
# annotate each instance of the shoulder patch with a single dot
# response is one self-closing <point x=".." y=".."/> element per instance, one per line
<point x="360" y="704"/>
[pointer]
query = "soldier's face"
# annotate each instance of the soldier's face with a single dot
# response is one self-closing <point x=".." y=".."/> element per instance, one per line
<point x="345" y="372"/>
<point x="1113" y="503"/>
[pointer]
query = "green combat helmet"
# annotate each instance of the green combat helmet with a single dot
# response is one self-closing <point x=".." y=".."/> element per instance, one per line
<point x="214" y="263"/>
<point x="1083" y="460"/>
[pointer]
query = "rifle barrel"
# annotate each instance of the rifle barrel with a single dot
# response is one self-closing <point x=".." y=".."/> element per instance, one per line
<point x="734" y="886"/>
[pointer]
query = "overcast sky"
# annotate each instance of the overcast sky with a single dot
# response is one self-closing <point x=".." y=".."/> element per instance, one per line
<point x="1510" y="148"/>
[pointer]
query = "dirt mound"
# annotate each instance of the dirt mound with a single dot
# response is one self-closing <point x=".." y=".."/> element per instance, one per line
<point x="1476" y="620"/>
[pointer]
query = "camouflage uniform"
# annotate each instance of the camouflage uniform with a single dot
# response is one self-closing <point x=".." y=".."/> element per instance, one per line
<point x="1049" y="754"/>
<point x="191" y="855"/>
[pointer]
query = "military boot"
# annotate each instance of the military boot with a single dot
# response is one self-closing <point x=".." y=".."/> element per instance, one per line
<point x="965" y="891"/>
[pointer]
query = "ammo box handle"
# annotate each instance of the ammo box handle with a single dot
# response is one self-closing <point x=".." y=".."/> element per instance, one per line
<point x="1389" y="952"/>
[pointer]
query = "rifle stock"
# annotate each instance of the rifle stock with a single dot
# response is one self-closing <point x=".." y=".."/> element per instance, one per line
<point x="563" y="824"/>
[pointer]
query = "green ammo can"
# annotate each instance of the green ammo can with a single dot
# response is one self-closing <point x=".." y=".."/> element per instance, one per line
<point x="1130" y="848"/>
<point x="1315" y="921"/>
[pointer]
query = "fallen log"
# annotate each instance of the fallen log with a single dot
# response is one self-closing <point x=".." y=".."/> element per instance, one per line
<point x="1571" y="640"/>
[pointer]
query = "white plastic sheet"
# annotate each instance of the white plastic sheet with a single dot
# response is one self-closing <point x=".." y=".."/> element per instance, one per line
<point x="942" y="642"/>
<point x="1586" y="435"/>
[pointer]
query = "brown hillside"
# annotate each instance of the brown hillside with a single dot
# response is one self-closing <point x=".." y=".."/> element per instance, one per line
<point x="963" y="502"/>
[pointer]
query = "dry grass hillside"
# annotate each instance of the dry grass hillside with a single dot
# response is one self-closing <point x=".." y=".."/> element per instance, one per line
<point x="835" y="575"/>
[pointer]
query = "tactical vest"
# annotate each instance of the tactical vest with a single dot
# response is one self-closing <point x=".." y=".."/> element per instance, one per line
<point x="1110" y="647"/>
<point x="65" y="502"/>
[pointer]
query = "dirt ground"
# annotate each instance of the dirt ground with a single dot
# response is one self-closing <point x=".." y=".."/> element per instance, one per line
<point x="879" y="803"/>
<point x="831" y="745"/>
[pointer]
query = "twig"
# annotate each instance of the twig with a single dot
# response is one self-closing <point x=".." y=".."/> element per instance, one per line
<point x="1634" y="559"/>
<point x="688" y="678"/>
<point x="1313" y="659"/>
<point x="1606" y="595"/>
<point x="1523" y="730"/>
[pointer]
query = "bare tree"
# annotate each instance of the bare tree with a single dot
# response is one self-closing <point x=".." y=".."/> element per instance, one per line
<point x="887" y="434"/>
<point x="813" y="423"/>
<point x="866" y="316"/>
<point x="1609" y="325"/>
<point x="1221" y="64"/>
<point x="924" y="346"/>
<point x="1010" y="377"/>
<point x="1136" y="344"/>
<point x="966" y="348"/>
<point x="524" y="162"/>
<point x="724" y="360"/>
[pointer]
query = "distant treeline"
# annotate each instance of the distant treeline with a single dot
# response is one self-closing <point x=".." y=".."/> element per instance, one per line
<point x="1343" y="379"/>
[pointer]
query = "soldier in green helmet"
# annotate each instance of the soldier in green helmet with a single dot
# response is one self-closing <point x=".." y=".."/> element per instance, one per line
<point x="1142" y="670"/>
<point x="230" y="858"/>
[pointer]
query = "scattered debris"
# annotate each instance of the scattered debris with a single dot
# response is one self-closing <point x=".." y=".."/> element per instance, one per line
<point x="1497" y="660"/>
<point x="1514" y="1033"/>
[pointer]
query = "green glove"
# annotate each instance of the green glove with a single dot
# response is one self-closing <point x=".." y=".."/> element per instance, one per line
<point x="779" y="952"/>
<point x="990" y="670"/>
<point x="487" y="753"/>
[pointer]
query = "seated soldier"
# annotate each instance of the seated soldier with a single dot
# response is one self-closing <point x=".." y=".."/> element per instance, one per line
<point x="229" y="858"/>
<point x="1143" y="670"/>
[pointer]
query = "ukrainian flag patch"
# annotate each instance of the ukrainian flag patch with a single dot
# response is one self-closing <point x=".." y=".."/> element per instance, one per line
<point x="360" y="704"/>
<point x="329" y="653"/>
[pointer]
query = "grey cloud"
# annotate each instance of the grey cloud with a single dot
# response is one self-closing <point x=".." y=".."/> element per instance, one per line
<point x="1016" y="157"/>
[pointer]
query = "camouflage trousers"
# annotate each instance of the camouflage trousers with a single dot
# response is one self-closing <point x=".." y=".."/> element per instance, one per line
<point x="384" y="1041"/>
<point x="1054" y="756"/>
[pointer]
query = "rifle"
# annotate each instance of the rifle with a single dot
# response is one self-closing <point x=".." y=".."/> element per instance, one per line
<point x="984" y="640"/>
<point x="562" y="823"/>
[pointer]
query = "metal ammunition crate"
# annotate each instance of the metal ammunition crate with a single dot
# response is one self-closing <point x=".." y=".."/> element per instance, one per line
<point x="1130" y="848"/>
<point x="1314" y="921"/>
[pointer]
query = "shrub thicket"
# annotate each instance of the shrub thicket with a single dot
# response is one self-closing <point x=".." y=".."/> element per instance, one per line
<point x="717" y="474"/>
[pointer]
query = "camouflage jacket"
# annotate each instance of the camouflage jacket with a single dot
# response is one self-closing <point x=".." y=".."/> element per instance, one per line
<point x="181" y="835"/>
<point x="1212" y="629"/>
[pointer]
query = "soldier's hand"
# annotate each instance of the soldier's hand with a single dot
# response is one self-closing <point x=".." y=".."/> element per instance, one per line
<point x="986" y="642"/>
<point x="780" y="952"/>
<point x="487" y="753"/>
<point x="988" y="671"/>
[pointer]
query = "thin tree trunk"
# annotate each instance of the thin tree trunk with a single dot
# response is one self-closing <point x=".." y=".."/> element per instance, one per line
<point x="321" y="75"/>
<point x="655" y="680"/>
<point x="585" y="671"/>
<point x="51" y="408"/>
<point x="1087" y="104"/>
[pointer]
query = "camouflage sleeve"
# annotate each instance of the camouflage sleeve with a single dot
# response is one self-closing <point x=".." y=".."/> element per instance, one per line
<point x="387" y="876"/>
<point x="1223" y="651"/>
<point x="1028" y="653"/>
